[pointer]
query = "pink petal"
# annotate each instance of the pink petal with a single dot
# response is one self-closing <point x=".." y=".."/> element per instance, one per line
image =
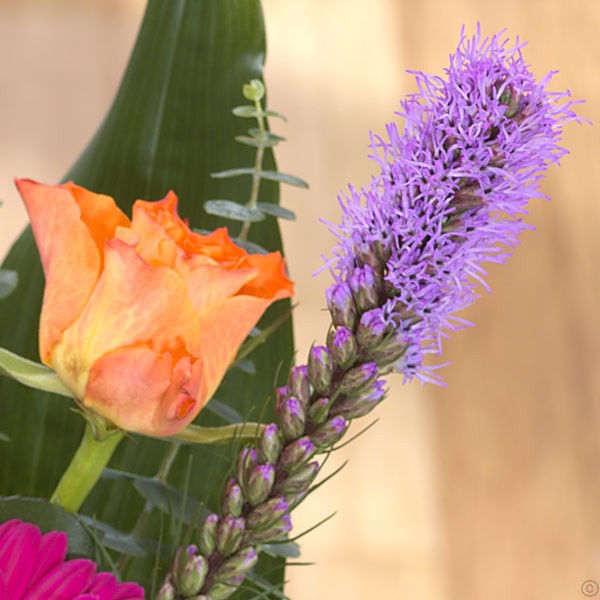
<point x="104" y="586"/>
<point x="53" y="551"/>
<point x="8" y="525"/>
<point x="129" y="591"/>
<point x="18" y="557"/>
<point x="65" y="582"/>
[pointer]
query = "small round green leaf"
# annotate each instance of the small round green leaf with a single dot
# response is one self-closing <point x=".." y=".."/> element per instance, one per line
<point x="232" y="210"/>
<point x="255" y="90"/>
<point x="246" y="111"/>
<point x="284" y="178"/>
<point x="276" y="211"/>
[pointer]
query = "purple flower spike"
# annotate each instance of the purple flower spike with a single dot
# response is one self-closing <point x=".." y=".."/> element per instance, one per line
<point x="452" y="188"/>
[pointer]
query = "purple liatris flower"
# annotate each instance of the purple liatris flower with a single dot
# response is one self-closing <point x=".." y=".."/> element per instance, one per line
<point x="34" y="567"/>
<point x="451" y="192"/>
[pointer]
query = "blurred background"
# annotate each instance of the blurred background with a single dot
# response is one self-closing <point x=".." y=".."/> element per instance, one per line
<point x="488" y="487"/>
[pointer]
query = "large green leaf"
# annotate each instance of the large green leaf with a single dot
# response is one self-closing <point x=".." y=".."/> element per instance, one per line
<point x="170" y="126"/>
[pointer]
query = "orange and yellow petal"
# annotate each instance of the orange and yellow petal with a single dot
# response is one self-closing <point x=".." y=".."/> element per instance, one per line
<point x="223" y="328"/>
<point x="69" y="255"/>
<point x="142" y="391"/>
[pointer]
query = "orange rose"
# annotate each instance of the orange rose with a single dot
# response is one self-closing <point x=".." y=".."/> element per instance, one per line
<point x="142" y="318"/>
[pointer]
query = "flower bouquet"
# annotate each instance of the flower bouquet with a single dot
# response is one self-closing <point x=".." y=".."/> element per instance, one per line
<point x="162" y="446"/>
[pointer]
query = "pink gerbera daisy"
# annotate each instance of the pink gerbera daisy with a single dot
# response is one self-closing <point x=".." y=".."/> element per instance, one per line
<point x="34" y="567"/>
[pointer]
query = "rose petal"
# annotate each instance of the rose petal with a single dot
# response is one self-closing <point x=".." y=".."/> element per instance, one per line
<point x="133" y="303"/>
<point x="271" y="282"/>
<point x="223" y="328"/>
<point x="68" y="223"/>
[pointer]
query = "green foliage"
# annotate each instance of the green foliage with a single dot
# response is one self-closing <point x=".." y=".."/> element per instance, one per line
<point x="168" y="128"/>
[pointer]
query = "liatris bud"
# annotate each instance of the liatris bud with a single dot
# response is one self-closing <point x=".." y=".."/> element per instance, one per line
<point x="341" y="305"/>
<point x="281" y="395"/>
<point x="329" y="432"/>
<point x="269" y="445"/>
<point x="365" y="289"/>
<point x="239" y="564"/>
<point x="297" y="453"/>
<point x="372" y="328"/>
<point x="167" y="591"/>
<point x="247" y="460"/>
<point x="267" y="513"/>
<point x="208" y="534"/>
<point x="233" y="499"/>
<point x="389" y="350"/>
<point x="358" y="406"/>
<point x="260" y="484"/>
<point x="222" y="591"/>
<point x="320" y="368"/>
<point x="299" y="481"/>
<point x="367" y="255"/>
<point x="229" y="534"/>
<point x="190" y="571"/>
<point x="299" y="383"/>
<point x="292" y="417"/>
<point x="343" y="347"/>
<point x="358" y="378"/>
<point x="319" y="410"/>
<point x="275" y="533"/>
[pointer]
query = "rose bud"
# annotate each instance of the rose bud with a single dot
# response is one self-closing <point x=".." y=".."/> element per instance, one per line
<point x="142" y="318"/>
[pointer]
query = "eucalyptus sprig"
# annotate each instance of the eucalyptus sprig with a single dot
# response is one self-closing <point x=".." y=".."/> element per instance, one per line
<point x="260" y="138"/>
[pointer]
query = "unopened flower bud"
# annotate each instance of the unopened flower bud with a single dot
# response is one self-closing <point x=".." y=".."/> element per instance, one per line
<point x="281" y="395"/>
<point x="320" y="368"/>
<point x="208" y="534"/>
<point x="358" y="406"/>
<point x="371" y="328"/>
<point x="192" y="577"/>
<point x="329" y="432"/>
<point x="267" y="513"/>
<point x="319" y="410"/>
<point x="297" y="453"/>
<point x="221" y="591"/>
<point x="233" y="499"/>
<point x="300" y="384"/>
<point x="269" y="445"/>
<point x="247" y="460"/>
<point x="278" y="531"/>
<point x="367" y="255"/>
<point x="292" y="417"/>
<point x="167" y="591"/>
<point x="299" y="481"/>
<point x="358" y="378"/>
<point x="341" y="305"/>
<point x="229" y="534"/>
<point x="365" y="288"/>
<point x="239" y="564"/>
<point x="343" y="346"/>
<point x="260" y="484"/>
<point x="389" y="350"/>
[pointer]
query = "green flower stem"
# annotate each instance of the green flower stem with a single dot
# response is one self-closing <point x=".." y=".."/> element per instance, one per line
<point x="85" y="469"/>
<point x="258" y="160"/>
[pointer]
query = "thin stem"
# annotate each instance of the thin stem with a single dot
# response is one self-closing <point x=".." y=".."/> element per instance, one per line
<point x="258" y="159"/>
<point x="142" y="520"/>
<point x="85" y="469"/>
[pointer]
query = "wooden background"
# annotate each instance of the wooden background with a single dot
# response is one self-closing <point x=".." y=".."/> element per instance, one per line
<point x="489" y="487"/>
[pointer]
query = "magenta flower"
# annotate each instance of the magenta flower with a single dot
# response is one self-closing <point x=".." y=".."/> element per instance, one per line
<point x="34" y="567"/>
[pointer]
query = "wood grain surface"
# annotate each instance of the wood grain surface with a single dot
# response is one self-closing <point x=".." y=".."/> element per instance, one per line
<point x="490" y="486"/>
